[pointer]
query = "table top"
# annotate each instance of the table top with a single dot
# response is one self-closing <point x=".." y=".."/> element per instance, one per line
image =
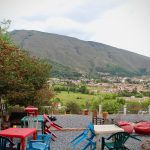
<point x="40" y="118"/>
<point x="18" y="132"/>
<point x="104" y="129"/>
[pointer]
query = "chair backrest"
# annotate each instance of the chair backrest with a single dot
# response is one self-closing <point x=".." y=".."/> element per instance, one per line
<point x="4" y="141"/>
<point x="45" y="137"/>
<point x="48" y="124"/>
<point x="87" y="135"/>
<point x="120" y="138"/>
<point x="91" y="129"/>
<point x="97" y="120"/>
<point x="51" y="123"/>
<point x="32" y="121"/>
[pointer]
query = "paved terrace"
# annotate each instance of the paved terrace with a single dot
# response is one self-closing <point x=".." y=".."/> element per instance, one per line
<point x="81" y="121"/>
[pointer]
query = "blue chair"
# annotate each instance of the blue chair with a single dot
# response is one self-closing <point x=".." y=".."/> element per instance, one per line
<point x="46" y="138"/>
<point x="36" y="145"/>
<point x="88" y="136"/>
<point x="42" y="142"/>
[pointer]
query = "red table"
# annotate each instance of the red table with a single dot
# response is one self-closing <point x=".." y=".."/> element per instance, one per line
<point x="32" y="110"/>
<point x="21" y="133"/>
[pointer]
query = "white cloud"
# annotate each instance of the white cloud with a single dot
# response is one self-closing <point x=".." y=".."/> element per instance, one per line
<point x="120" y="23"/>
<point x="125" y="27"/>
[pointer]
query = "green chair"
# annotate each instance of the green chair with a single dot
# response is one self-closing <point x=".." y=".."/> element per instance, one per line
<point x="116" y="141"/>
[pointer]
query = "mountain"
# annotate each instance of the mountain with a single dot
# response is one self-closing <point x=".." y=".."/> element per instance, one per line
<point x="81" y="57"/>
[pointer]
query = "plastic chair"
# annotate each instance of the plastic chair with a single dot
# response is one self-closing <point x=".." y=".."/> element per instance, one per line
<point x="117" y="141"/>
<point x="87" y="135"/>
<point x="36" y="145"/>
<point x="46" y="138"/>
<point x="42" y="143"/>
<point x="51" y="123"/>
<point x="33" y="121"/>
<point x="7" y="144"/>
<point x="48" y="124"/>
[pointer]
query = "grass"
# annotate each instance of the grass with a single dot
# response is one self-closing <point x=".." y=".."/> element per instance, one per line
<point x="77" y="97"/>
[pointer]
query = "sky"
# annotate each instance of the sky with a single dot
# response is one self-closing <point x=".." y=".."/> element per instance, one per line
<point x="121" y="23"/>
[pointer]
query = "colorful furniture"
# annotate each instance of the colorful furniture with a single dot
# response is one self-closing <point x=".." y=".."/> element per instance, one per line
<point x="21" y="133"/>
<point x="97" y="120"/>
<point x="46" y="138"/>
<point x="105" y="129"/>
<point x="50" y="124"/>
<point x="116" y="141"/>
<point x="31" y="110"/>
<point x="36" y="145"/>
<point x="39" y="119"/>
<point x="7" y="144"/>
<point x="87" y="135"/>
<point x="42" y="143"/>
<point x="127" y="126"/>
<point x="142" y="128"/>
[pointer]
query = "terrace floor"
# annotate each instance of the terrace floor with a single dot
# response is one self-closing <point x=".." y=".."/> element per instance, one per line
<point x="81" y="121"/>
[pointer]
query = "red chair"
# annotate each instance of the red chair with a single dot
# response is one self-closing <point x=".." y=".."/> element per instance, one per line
<point x="31" y="110"/>
<point x="50" y="124"/>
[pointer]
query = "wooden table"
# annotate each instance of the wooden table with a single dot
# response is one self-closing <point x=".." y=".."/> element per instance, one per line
<point x="105" y="129"/>
<point x="21" y="133"/>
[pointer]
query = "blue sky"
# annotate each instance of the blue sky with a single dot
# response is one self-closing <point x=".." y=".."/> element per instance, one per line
<point x="121" y="23"/>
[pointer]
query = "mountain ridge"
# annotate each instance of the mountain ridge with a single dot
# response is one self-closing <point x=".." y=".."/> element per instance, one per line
<point x="87" y="57"/>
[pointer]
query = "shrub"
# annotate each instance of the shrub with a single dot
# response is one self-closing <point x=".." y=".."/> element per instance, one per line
<point x="111" y="106"/>
<point x="15" y="108"/>
<point x="134" y="107"/>
<point x="95" y="105"/>
<point x="121" y="101"/>
<point x="73" y="107"/>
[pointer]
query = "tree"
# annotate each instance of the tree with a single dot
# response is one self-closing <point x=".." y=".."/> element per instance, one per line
<point x="21" y="76"/>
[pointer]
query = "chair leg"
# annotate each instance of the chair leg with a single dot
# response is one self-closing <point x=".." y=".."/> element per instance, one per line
<point x="94" y="146"/>
<point x="125" y="148"/>
<point x="86" y="146"/>
<point x="103" y="144"/>
<point x="76" y="138"/>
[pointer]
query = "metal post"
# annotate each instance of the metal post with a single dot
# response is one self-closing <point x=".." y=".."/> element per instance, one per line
<point x="100" y="109"/>
<point x="149" y="109"/>
<point x="124" y="109"/>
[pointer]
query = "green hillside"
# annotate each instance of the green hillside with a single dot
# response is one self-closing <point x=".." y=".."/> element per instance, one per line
<point x="77" y="57"/>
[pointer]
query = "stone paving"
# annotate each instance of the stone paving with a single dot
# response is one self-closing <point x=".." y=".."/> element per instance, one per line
<point x="81" y="121"/>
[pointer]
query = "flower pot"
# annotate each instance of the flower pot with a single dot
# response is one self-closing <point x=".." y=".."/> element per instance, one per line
<point x="85" y="112"/>
<point x="94" y="113"/>
<point x="105" y="115"/>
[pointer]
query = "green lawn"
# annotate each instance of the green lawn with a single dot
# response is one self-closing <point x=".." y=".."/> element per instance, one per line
<point x="77" y="97"/>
